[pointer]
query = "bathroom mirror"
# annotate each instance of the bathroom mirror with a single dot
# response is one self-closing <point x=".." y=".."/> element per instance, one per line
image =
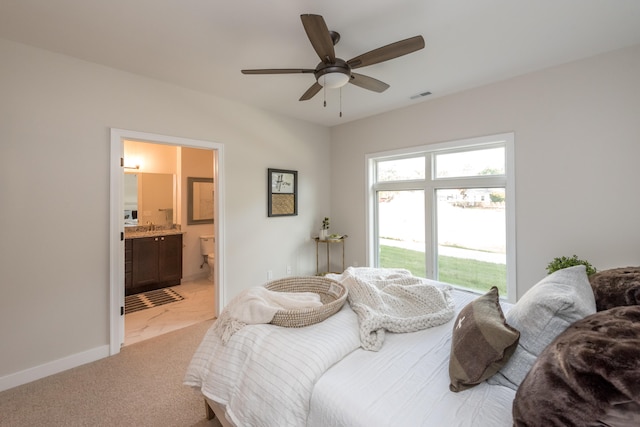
<point x="130" y="199"/>
<point x="199" y="201"/>
<point x="149" y="198"/>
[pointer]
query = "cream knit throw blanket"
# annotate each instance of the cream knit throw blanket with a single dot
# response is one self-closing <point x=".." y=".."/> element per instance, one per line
<point x="394" y="300"/>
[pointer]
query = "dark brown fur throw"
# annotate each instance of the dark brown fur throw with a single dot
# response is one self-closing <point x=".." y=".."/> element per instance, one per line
<point x="588" y="376"/>
<point x="616" y="287"/>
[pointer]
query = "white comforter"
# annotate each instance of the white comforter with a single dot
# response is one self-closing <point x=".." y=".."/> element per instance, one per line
<point x="406" y="384"/>
<point x="265" y="374"/>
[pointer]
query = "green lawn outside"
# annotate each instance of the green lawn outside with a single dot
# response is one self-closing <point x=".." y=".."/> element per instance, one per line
<point x="478" y="275"/>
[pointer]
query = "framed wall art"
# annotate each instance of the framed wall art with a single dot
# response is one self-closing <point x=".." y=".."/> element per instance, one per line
<point x="199" y="201"/>
<point x="283" y="192"/>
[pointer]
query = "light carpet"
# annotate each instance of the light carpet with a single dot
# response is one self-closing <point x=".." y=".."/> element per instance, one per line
<point x="140" y="386"/>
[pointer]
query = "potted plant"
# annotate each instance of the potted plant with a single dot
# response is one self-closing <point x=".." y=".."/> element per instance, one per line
<point x="559" y="263"/>
<point x="324" y="232"/>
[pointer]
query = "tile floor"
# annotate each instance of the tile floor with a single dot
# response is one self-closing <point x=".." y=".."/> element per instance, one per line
<point x="197" y="306"/>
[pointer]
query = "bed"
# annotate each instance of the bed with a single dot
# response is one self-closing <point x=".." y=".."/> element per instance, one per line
<point x="320" y="375"/>
<point x="406" y="383"/>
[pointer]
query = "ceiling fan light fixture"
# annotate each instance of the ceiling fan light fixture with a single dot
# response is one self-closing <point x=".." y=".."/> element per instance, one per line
<point x="334" y="80"/>
<point x="334" y="75"/>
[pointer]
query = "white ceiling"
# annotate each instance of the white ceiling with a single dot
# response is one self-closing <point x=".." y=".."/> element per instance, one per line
<point x="203" y="44"/>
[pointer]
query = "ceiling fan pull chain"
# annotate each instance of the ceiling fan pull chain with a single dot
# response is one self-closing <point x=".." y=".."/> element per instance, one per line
<point x="340" y="102"/>
<point x="324" y="93"/>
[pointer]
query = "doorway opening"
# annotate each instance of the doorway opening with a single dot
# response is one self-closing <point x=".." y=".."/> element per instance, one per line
<point x="145" y="156"/>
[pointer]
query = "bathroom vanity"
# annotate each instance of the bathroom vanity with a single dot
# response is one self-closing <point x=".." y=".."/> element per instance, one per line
<point x="153" y="260"/>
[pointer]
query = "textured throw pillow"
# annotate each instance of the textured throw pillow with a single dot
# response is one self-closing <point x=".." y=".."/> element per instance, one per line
<point x="616" y="287"/>
<point x="482" y="342"/>
<point x="543" y="313"/>
<point x="588" y="376"/>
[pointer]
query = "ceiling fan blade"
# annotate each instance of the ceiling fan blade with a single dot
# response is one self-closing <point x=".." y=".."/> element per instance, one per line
<point x="387" y="52"/>
<point x="278" y="71"/>
<point x="319" y="37"/>
<point x="367" y="82"/>
<point x="310" y="93"/>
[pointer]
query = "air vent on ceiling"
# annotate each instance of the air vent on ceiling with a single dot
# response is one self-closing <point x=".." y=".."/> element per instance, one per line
<point x="420" y="95"/>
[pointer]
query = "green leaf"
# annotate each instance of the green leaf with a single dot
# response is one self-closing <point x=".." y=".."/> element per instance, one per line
<point x="559" y="263"/>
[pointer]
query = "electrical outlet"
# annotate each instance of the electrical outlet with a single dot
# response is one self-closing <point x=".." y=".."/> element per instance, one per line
<point x="269" y="275"/>
<point x="355" y="263"/>
<point x="288" y="270"/>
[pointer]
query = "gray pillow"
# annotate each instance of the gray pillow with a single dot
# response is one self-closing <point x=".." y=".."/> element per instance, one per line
<point x="543" y="313"/>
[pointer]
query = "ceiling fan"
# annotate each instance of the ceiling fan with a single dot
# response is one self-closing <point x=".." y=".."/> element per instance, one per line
<point x="333" y="72"/>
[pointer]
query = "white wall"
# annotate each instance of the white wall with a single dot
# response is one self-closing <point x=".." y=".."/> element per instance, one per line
<point x="577" y="139"/>
<point x="197" y="163"/>
<point x="55" y="118"/>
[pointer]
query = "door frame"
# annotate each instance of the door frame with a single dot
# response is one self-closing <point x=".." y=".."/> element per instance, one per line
<point x="116" y="223"/>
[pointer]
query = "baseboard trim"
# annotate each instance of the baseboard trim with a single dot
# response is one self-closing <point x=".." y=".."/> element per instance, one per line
<point x="54" y="367"/>
<point x="197" y="276"/>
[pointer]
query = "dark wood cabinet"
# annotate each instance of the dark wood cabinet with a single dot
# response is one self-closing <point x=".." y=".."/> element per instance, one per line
<point x="156" y="262"/>
<point x="145" y="263"/>
<point x="128" y="265"/>
<point x="170" y="257"/>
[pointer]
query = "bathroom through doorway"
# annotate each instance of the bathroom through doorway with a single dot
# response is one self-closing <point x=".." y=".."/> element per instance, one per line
<point x="182" y="160"/>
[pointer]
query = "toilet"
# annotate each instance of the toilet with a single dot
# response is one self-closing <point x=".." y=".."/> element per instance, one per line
<point x="207" y="248"/>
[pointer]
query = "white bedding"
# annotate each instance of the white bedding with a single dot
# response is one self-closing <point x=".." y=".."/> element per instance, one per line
<point x="265" y="374"/>
<point x="318" y="376"/>
<point x="406" y="383"/>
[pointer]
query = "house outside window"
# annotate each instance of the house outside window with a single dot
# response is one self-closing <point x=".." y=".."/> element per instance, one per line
<point x="446" y="212"/>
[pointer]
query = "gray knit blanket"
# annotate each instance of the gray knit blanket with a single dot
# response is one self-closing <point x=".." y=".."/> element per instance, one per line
<point x="394" y="300"/>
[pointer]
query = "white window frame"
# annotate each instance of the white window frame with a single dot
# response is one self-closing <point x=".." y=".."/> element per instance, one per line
<point x="430" y="183"/>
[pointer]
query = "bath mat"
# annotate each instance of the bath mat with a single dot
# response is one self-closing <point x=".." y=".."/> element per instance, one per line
<point x="138" y="302"/>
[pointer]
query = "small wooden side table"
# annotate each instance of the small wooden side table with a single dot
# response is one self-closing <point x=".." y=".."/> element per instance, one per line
<point x="328" y="243"/>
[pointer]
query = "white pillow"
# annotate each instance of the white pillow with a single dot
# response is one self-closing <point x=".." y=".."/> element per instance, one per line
<point x="543" y="313"/>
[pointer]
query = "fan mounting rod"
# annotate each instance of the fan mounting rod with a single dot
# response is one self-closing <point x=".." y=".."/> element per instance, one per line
<point x="335" y="37"/>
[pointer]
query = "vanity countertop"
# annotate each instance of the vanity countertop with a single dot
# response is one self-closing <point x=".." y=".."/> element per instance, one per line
<point x="154" y="233"/>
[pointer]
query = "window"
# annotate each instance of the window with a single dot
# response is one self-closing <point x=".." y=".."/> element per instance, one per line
<point x="400" y="169"/>
<point x="445" y="212"/>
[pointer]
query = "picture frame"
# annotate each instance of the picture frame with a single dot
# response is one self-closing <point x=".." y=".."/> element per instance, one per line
<point x="200" y="200"/>
<point x="282" y="189"/>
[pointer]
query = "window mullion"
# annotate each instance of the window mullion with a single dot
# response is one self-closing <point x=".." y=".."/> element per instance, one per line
<point x="429" y="220"/>
<point x="474" y="182"/>
<point x="430" y="250"/>
<point x="399" y="185"/>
